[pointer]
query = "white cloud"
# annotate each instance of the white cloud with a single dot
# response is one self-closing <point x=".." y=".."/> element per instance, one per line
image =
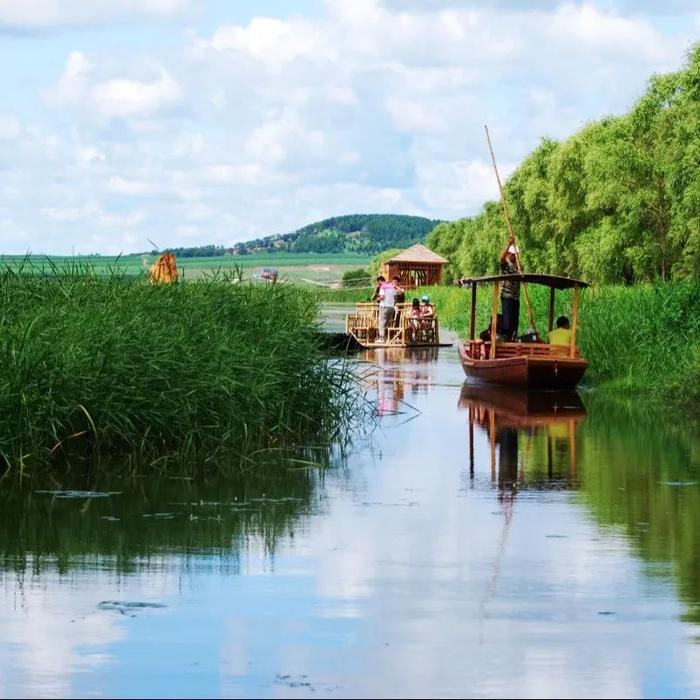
<point x="247" y="174"/>
<point x="126" y="98"/>
<point x="138" y="188"/>
<point x="69" y="213"/>
<point x="89" y="155"/>
<point x="455" y="186"/>
<point x="412" y="116"/>
<point x="271" y="41"/>
<point x="113" y="97"/>
<point x="9" y="127"/>
<point x="46" y="14"/>
<point x="73" y="83"/>
<point x="263" y="126"/>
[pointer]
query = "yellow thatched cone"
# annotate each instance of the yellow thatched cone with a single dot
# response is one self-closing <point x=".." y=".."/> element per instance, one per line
<point x="164" y="269"/>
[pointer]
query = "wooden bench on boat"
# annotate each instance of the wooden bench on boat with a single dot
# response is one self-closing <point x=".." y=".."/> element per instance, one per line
<point x="363" y="325"/>
<point x="538" y="364"/>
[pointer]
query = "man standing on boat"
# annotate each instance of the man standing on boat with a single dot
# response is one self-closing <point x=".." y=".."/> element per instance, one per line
<point x="387" y="305"/>
<point x="510" y="290"/>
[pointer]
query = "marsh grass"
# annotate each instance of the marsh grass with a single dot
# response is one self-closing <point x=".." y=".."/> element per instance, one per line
<point x="108" y="366"/>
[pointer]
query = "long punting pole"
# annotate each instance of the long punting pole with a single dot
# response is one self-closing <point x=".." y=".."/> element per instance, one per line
<point x="504" y="203"/>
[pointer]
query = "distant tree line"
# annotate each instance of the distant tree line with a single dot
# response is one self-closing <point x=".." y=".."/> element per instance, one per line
<point x="617" y="202"/>
<point x="202" y="251"/>
<point x="364" y="234"/>
<point x="355" y="233"/>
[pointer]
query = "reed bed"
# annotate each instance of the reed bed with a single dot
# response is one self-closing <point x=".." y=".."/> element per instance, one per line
<point x="109" y="367"/>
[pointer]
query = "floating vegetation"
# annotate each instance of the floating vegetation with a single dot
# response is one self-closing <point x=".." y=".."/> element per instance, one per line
<point x="80" y="494"/>
<point x="125" y="606"/>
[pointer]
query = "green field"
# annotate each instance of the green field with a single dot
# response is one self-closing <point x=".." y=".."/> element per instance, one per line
<point x="306" y="268"/>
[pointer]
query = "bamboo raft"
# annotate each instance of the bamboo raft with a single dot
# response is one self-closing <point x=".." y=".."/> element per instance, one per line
<point x="363" y="326"/>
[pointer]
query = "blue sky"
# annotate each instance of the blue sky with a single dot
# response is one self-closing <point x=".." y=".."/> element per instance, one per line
<point x="191" y="122"/>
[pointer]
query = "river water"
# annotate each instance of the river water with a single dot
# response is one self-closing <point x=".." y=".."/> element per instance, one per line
<point x="477" y="543"/>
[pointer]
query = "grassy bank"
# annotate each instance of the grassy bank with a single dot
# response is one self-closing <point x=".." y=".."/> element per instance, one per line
<point x="105" y="367"/>
<point x="640" y="338"/>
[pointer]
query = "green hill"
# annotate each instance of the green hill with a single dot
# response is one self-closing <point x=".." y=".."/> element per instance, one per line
<point x="358" y="234"/>
<point x="355" y="233"/>
<point x="619" y="201"/>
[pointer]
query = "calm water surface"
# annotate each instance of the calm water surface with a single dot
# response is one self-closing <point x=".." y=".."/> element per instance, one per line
<point x="479" y="543"/>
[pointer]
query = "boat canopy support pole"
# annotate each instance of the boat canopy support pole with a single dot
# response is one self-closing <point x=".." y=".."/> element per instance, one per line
<point x="551" y="309"/>
<point x="494" y="319"/>
<point x="574" y="324"/>
<point x="472" y="318"/>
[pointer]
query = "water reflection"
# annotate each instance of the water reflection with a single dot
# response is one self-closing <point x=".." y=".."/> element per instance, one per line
<point x="132" y="523"/>
<point x="400" y="374"/>
<point x="544" y="541"/>
<point x="531" y="435"/>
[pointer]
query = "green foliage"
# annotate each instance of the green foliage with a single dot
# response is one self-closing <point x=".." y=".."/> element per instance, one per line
<point x="364" y="234"/>
<point x="618" y="202"/>
<point x="375" y="264"/>
<point x="201" y="251"/>
<point x="96" y="365"/>
<point x="361" y="277"/>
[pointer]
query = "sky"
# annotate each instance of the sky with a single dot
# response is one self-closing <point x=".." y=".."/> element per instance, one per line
<point x="190" y="122"/>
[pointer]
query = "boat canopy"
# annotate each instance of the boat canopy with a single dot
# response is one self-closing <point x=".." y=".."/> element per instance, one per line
<point x="553" y="281"/>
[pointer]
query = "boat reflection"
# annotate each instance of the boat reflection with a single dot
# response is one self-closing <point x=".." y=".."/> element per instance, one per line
<point x="531" y="435"/>
<point x="398" y="374"/>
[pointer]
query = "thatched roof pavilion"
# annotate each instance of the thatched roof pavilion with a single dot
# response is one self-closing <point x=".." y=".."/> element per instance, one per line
<point x="416" y="266"/>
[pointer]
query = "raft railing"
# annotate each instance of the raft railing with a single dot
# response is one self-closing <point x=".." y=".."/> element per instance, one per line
<point x="363" y="325"/>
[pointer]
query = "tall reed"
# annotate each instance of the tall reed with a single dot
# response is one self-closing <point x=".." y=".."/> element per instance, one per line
<point x="104" y="366"/>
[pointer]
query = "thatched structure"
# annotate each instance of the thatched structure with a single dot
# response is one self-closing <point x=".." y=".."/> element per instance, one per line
<point x="416" y="266"/>
<point x="164" y="269"/>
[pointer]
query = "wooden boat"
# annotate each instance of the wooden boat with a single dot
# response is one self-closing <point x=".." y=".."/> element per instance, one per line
<point x="528" y="364"/>
<point x="406" y="332"/>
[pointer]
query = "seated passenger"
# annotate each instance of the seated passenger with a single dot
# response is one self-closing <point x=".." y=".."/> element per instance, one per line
<point x="561" y="335"/>
<point x="415" y="309"/>
<point x="426" y="308"/>
<point x="414" y="315"/>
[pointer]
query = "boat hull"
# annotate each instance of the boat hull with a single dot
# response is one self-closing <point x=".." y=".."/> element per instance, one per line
<point x="525" y="371"/>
